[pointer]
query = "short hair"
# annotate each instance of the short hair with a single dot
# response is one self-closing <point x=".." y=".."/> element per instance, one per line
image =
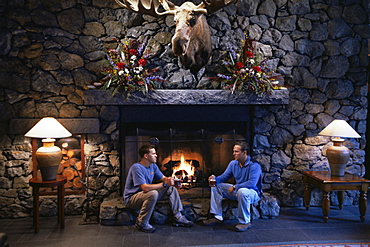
<point x="145" y="150"/>
<point x="244" y="146"/>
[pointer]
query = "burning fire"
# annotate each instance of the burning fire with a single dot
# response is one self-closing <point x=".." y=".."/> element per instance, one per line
<point x="186" y="169"/>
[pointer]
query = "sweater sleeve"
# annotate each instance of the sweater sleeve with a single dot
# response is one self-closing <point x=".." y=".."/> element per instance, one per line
<point x="226" y="175"/>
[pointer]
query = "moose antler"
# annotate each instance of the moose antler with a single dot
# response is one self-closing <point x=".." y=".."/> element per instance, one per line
<point x="213" y="6"/>
<point x="149" y="7"/>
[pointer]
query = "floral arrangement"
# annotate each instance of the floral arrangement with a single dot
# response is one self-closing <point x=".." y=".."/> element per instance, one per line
<point x="127" y="68"/>
<point x="247" y="71"/>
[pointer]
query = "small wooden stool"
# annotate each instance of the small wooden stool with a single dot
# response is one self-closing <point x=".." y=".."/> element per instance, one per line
<point x="37" y="183"/>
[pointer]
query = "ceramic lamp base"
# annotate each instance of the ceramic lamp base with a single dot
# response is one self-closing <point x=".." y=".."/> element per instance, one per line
<point x="48" y="159"/>
<point x="49" y="173"/>
<point x="338" y="156"/>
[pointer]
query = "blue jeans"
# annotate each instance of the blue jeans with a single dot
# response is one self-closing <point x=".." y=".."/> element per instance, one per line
<point x="244" y="196"/>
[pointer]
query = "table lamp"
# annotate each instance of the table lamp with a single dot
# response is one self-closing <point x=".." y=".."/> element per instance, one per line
<point x="48" y="156"/>
<point x="338" y="154"/>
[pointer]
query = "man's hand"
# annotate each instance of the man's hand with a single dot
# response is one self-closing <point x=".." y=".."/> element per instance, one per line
<point x="231" y="189"/>
<point x="211" y="177"/>
<point x="169" y="181"/>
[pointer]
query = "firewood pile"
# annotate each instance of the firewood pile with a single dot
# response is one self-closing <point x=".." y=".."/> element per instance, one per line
<point x="71" y="168"/>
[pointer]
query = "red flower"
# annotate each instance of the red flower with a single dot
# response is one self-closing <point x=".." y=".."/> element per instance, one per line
<point x="257" y="68"/>
<point x="249" y="54"/>
<point x="239" y="65"/>
<point x="133" y="52"/>
<point x="142" y="62"/>
<point x="121" y="65"/>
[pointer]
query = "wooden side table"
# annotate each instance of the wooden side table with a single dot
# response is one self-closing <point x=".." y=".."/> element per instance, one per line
<point x="37" y="183"/>
<point x="324" y="181"/>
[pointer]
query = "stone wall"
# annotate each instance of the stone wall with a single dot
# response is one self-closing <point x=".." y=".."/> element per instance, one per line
<point x="50" y="50"/>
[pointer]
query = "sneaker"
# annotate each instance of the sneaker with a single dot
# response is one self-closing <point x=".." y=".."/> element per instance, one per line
<point x="212" y="222"/>
<point x="243" y="227"/>
<point x="145" y="227"/>
<point x="182" y="221"/>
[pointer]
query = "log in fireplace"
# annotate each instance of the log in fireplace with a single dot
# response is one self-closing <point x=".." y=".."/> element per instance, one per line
<point x="192" y="142"/>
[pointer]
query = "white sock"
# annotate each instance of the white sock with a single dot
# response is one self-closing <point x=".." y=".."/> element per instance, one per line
<point x="219" y="217"/>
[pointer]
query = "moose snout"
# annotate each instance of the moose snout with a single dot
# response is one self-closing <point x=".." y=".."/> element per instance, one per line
<point x="179" y="45"/>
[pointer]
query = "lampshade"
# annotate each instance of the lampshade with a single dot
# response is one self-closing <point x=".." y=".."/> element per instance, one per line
<point x="48" y="127"/>
<point x="339" y="128"/>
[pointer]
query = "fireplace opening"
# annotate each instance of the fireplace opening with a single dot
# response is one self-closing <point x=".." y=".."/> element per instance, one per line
<point x="189" y="148"/>
<point x="184" y="171"/>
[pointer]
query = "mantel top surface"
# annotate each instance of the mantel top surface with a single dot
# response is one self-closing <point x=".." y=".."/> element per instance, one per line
<point x="186" y="97"/>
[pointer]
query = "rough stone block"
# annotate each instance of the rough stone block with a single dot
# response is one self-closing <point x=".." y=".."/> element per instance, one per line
<point x="190" y="213"/>
<point x="268" y="207"/>
<point x="108" y="222"/>
<point x="108" y="209"/>
<point x="230" y="210"/>
<point x="3" y="238"/>
<point x="114" y="212"/>
<point x="124" y="219"/>
<point x="159" y="218"/>
<point x="201" y="206"/>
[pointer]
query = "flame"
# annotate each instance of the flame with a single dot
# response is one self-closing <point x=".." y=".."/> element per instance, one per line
<point x="186" y="168"/>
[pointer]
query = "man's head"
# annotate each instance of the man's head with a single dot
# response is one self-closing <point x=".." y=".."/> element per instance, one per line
<point x="244" y="146"/>
<point x="145" y="149"/>
<point x="148" y="152"/>
<point x="240" y="151"/>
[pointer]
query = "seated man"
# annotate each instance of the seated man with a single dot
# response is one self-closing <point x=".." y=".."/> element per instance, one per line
<point x="141" y="194"/>
<point x="247" y="190"/>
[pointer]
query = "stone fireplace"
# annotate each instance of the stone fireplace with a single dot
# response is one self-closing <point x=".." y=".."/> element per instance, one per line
<point x="195" y="129"/>
<point x="179" y="123"/>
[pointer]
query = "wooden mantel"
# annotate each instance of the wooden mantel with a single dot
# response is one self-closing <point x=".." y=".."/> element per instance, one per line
<point x="186" y="97"/>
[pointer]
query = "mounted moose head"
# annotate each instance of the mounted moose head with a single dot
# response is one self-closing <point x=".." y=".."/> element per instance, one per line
<point x="192" y="38"/>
